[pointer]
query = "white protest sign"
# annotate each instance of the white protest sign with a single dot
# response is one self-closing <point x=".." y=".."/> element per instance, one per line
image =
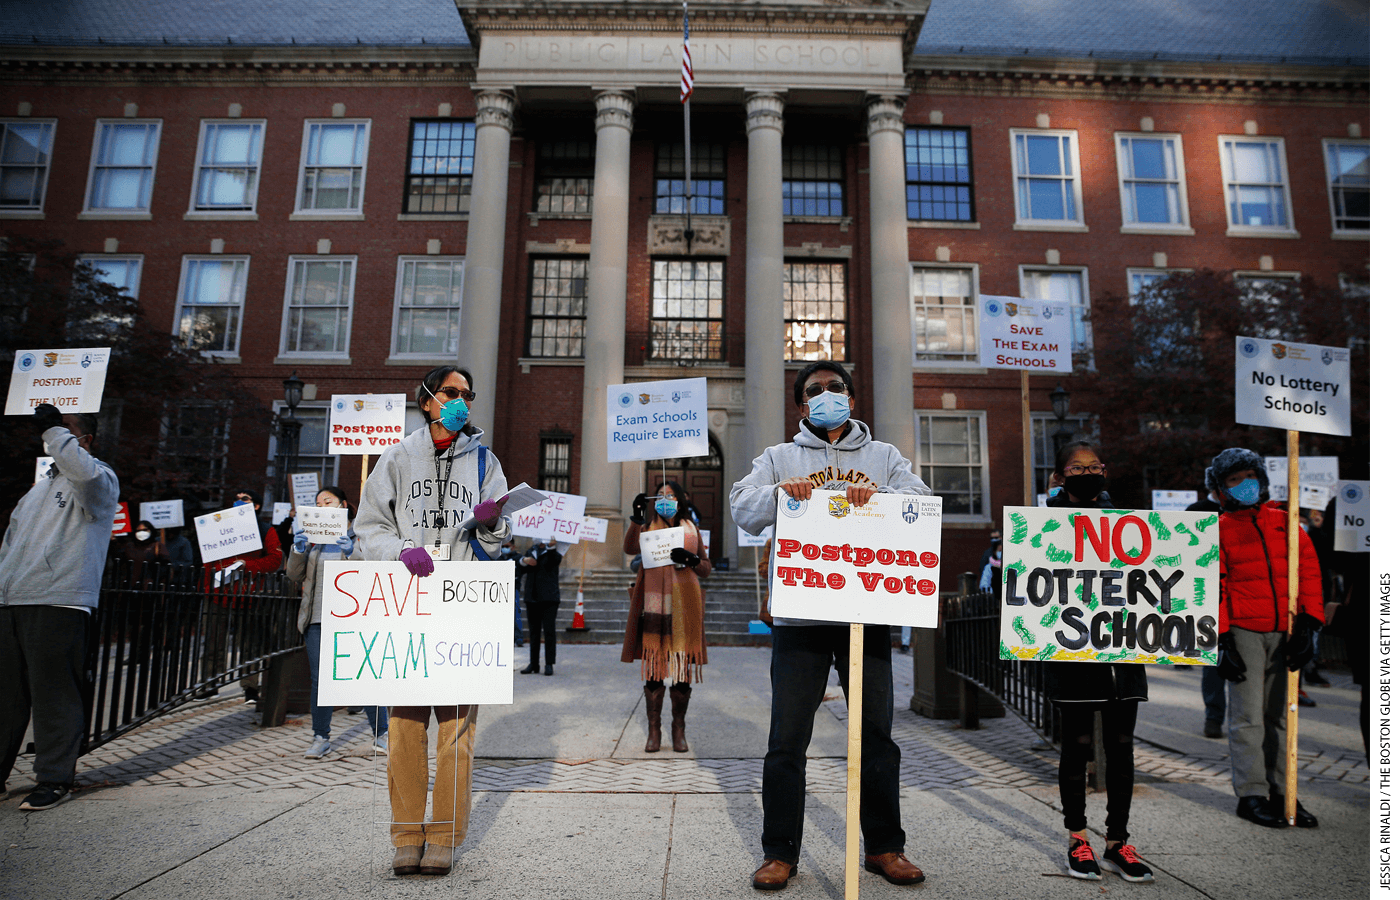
<point x="281" y="512"/>
<point x="362" y="424"/>
<point x="323" y="524"/>
<point x="877" y="564"/>
<point x="389" y="638"/>
<point x="1024" y="334"/>
<point x="557" y="516"/>
<point x="1100" y="585"/>
<point x="1313" y="471"/>
<point x="164" y="513"/>
<point x="658" y="419"/>
<point x="305" y="486"/>
<point x="705" y="538"/>
<point x="71" y="380"/>
<point x="1353" y="517"/>
<point x="42" y="464"/>
<point x="593" y="529"/>
<point x="1173" y="500"/>
<point x="755" y="540"/>
<point x="227" y="532"/>
<point x="657" y="545"/>
<point x="1313" y="497"/>
<point x="1298" y="387"/>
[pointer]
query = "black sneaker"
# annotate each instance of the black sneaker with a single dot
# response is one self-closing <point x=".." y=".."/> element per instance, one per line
<point x="1082" y="861"/>
<point x="1212" y="730"/>
<point x="250" y="696"/>
<point x="1124" y="860"/>
<point x="46" y="796"/>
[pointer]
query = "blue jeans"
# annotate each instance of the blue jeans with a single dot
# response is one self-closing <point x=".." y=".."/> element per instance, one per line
<point x="378" y="716"/>
<point x="802" y="660"/>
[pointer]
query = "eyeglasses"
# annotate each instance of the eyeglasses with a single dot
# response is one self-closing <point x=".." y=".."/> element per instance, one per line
<point x="244" y="498"/>
<point x="453" y="393"/>
<point x="1096" y="469"/>
<point x="836" y="387"/>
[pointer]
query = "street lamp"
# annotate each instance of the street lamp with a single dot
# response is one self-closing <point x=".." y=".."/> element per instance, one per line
<point x="288" y="434"/>
<point x="1059" y="402"/>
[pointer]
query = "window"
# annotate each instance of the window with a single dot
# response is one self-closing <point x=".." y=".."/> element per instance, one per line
<point x="558" y="306"/>
<point x="945" y="314"/>
<point x="1255" y="171"/>
<point x="814" y="310"/>
<point x="953" y="461"/>
<point x="123" y="166"/>
<point x="333" y="167"/>
<point x="1043" y="429"/>
<point x="1269" y="303"/>
<point x="812" y="178"/>
<point x="313" y="447"/>
<point x="26" y="148"/>
<point x="319" y="293"/>
<point x="440" y="157"/>
<point x="1062" y="286"/>
<point x="226" y="179"/>
<point x="1349" y="184"/>
<point x="564" y="177"/>
<point x="554" y="460"/>
<point x="428" y="313"/>
<point x="94" y="317"/>
<point x="938" y="174"/>
<point x="194" y="446"/>
<point x="1150" y="181"/>
<point x="121" y="272"/>
<point x="1047" y="181"/>
<point x="706" y="179"/>
<point x="687" y="310"/>
<point x="210" y="313"/>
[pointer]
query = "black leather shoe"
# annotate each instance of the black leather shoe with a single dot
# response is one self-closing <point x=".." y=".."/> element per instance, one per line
<point x="1301" y="817"/>
<point x="549" y="668"/>
<point x="1259" y="811"/>
<point x="531" y="669"/>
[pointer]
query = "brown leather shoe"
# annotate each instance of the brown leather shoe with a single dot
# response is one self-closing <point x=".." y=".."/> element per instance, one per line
<point x="894" y="868"/>
<point x="773" y="875"/>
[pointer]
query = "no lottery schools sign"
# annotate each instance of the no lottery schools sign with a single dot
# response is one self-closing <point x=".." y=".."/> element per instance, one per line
<point x="1297" y="387"/>
<point x="1110" y="585"/>
<point x="365" y="424"/>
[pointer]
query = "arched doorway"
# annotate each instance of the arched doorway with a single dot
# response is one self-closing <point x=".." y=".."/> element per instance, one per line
<point x="702" y="478"/>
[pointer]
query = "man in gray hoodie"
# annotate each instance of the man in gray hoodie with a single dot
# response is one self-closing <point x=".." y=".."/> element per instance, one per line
<point x="832" y="452"/>
<point x="51" y="563"/>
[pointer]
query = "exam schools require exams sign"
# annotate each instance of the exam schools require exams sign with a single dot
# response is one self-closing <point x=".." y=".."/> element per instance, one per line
<point x="657" y="419"/>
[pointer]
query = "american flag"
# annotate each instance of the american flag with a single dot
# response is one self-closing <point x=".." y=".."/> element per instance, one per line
<point x="687" y="73"/>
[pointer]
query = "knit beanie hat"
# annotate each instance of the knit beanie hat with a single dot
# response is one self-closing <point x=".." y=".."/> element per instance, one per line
<point x="1236" y="459"/>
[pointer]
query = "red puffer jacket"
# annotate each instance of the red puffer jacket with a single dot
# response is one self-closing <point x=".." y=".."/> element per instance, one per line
<point x="1254" y="571"/>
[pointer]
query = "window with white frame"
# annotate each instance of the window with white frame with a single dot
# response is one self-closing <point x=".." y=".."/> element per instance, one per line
<point x="952" y="449"/>
<point x="1266" y="299"/>
<point x="1140" y="280"/>
<point x="558" y="307"/>
<point x="121" y="272"/>
<point x="123" y="166"/>
<point x="1151" y="181"/>
<point x="230" y="156"/>
<point x="97" y="320"/>
<point x="938" y="174"/>
<point x="1349" y="184"/>
<point x="1048" y="189"/>
<point x="1063" y="286"/>
<point x="1044" y="427"/>
<point x="209" y="315"/>
<point x="1255" y="172"/>
<point x="428" y="311"/>
<point x="814" y="310"/>
<point x="333" y="166"/>
<point x="320" y="290"/>
<point x="313" y="448"/>
<point x="26" y="149"/>
<point x="441" y="153"/>
<point x="944" y="304"/>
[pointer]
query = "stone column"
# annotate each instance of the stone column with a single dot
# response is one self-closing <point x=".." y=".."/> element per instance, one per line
<point x="893" y="358"/>
<point x="603" y="345"/>
<point x="765" y="400"/>
<point x="479" y="337"/>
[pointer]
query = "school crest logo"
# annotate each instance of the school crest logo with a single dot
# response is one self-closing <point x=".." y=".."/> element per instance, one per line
<point x="1011" y="308"/>
<point x="86" y="360"/>
<point x="1045" y="313"/>
<point x="1279" y="350"/>
<point x="624" y="400"/>
<point x="993" y="307"/>
<point x="359" y="406"/>
<point x="340" y="406"/>
<point x="839" y="507"/>
<point x="26" y="361"/>
<point x="218" y="517"/>
<point x="1327" y="357"/>
<point x="791" y="506"/>
<point x="1249" y="349"/>
<point x="1351" y="493"/>
<point x="50" y="360"/>
<point x="910" y="511"/>
<point x="644" y="399"/>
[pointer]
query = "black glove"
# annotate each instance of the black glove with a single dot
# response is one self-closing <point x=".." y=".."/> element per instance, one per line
<point x="683" y="557"/>
<point x="1298" y="649"/>
<point x="1229" y="663"/>
<point x="639" y="509"/>
<point x="47" y="416"/>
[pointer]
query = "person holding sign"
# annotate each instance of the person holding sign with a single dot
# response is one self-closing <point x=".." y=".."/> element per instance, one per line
<point x="304" y="565"/>
<point x="831" y="451"/>
<point x="666" y="616"/>
<point x="431" y="498"/>
<point x="1257" y="643"/>
<point x="541" y="594"/>
<point x="1081" y="689"/>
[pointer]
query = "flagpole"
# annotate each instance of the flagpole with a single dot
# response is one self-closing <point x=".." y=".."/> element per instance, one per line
<point x="686" y="83"/>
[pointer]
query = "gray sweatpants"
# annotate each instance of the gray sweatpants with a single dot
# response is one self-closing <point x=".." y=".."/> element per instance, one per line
<point x="1258" y="707"/>
<point x="42" y="651"/>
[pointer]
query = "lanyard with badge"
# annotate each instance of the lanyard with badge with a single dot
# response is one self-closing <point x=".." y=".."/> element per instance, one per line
<point x="437" y="551"/>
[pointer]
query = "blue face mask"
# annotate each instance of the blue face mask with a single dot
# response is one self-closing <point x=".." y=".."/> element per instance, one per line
<point x="455" y="413"/>
<point x="666" y="507"/>
<point x="829" y="410"/>
<point x="1246" y="492"/>
<point x="1053" y="492"/>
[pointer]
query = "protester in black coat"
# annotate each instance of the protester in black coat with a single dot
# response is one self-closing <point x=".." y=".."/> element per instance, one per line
<point x="541" y="594"/>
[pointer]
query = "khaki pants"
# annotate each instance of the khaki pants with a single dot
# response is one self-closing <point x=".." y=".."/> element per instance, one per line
<point x="408" y="774"/>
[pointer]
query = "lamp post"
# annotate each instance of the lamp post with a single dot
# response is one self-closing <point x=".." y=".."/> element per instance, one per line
<point x="1059" y="402"/>
<point x="288" y="435"/>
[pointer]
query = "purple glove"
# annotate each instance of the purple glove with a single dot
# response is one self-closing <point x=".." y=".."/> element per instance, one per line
<point x="488" y="511"/>
<point x="418" y="561"/>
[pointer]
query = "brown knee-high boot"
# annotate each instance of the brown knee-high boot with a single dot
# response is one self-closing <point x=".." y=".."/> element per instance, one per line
<point x="680" y="700"/>
<point x="655" y="698"/>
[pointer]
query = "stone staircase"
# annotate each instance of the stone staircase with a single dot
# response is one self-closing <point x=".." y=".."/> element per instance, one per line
<point x="730" y="604"/>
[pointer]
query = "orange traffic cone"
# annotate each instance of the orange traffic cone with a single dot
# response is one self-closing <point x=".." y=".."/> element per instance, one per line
<point x="578" y="614"/>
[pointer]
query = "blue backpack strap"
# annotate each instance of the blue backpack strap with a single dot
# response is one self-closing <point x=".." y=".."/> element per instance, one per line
<point x="480" y="486"/>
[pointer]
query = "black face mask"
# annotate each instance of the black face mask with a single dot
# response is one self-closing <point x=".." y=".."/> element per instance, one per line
<point x="1086" y="486"/>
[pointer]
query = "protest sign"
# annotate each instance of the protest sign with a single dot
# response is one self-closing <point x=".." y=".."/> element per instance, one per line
<point x="389" y="638"/>
<point x="557" y="516"/>
<point x="1313" y="497"/>
<point x="1353" y="517"/>
<point x="323" y="524"/>
<point x="705" y="539"/>
<point x="42" y="464"/>
<point x="1110" y="585"/>
<point x="365" y="423"/>
<point x="281" y="512"/>
<point x="876" y="564"/>
<point x="227" y="532"/>
<point x="755" y="540"/>
<point x="1313" y="471"/>
<point x="1297" y="387"/>
<point x="164" y="513"/>
<point x="121" y="522"/>
<point x="593" y="529"/>
<point x="1173" y="500"/>
<point x="71" y="380"/>
<point x="657" y="545"/>
<point x="658" y="419"/>
<point x="304" y="486"/>
<point x="1024" y="334"/>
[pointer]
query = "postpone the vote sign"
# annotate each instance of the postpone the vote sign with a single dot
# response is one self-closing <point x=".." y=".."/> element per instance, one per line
<point x="228" y="532"/>
<point x="1110" y="585"/>
<point x="657" y="420"/>
<point x="1353" y="517"/>
<point x="391" y="638"/>
<point x="71" y="380"/>
<point x="164" y="513"/>
<point x="1024" y="334"/>
<point x="365" y="423"/>
<point x="877" y="564"/>
<point x="1297" y="387"/>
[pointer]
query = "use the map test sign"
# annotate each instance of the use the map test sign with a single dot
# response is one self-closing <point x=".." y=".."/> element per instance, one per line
<point x="1297" y="387"/>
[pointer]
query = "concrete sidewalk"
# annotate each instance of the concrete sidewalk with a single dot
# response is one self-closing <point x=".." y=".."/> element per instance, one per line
<point x="203" y="803"/>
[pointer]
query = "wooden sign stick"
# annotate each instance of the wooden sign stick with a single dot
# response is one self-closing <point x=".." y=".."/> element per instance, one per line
<point x="1290" y="791"/>
<point x="364" y="472"/>
<point x="855" y="693"/>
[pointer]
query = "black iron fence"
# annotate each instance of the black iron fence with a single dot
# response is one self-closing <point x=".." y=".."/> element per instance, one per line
<point x="163" y="635"/>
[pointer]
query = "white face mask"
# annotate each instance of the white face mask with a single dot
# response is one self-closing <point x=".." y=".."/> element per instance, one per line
<point x="143" y="535"/>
